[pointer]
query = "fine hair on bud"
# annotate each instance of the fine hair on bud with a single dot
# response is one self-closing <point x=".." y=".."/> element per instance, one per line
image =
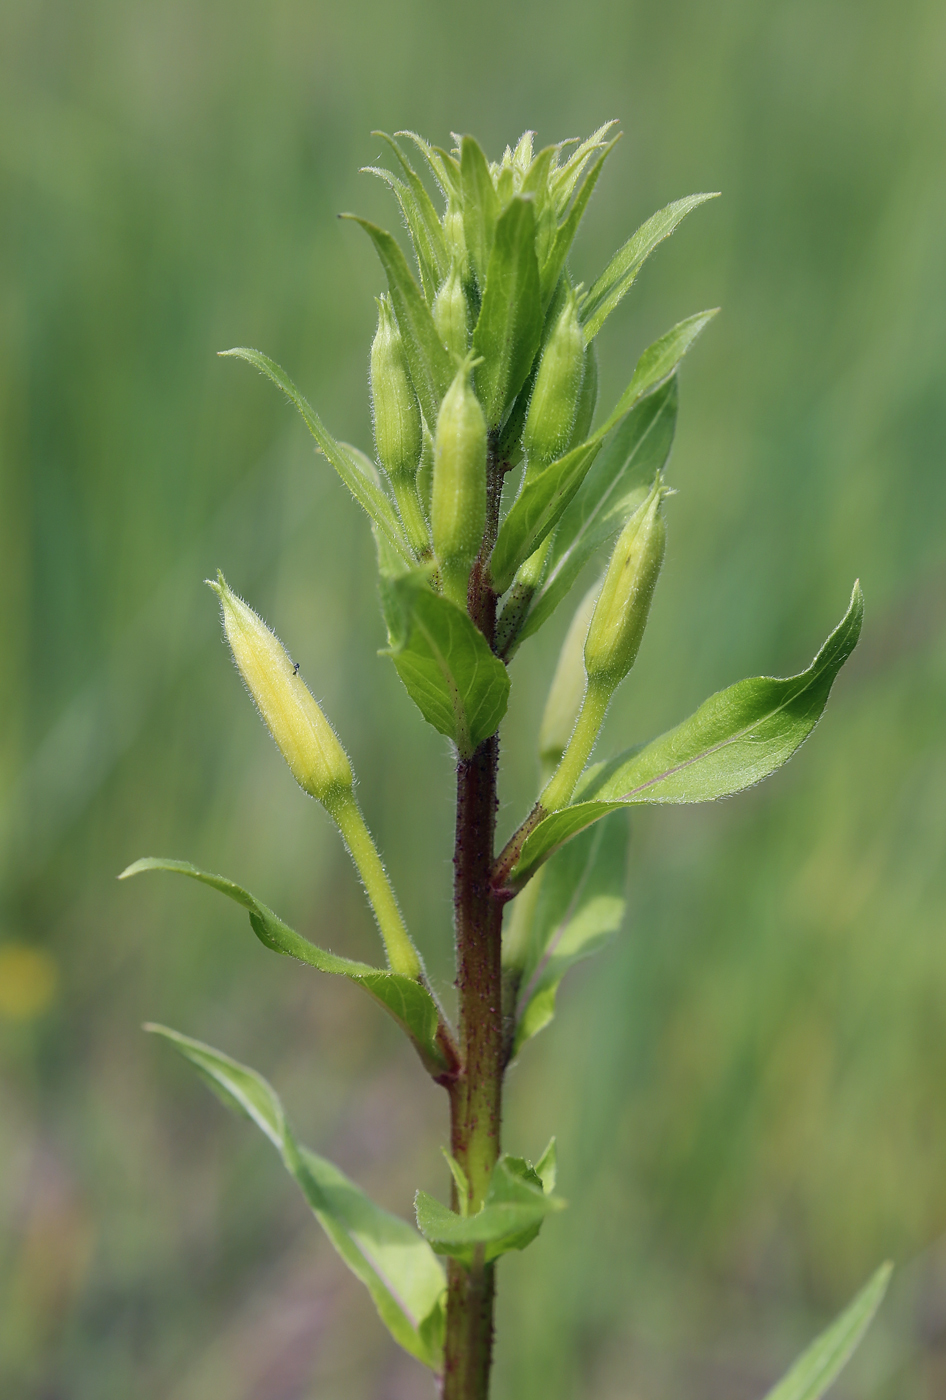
<point x="397" y="420"/>
<point x="303" y="735"/>
<point x="458" y="504"/>
<point x="451" y="314"/>
<point x="620" y="615"/>
<point x="555" y="398"/>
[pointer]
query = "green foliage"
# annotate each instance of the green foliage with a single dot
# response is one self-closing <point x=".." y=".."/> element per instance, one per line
<point x="446" y="664"/>
<point x="818" y="1367"/>
<point x="405" y="1280"/>
<point x="516" y="1204"/>
<point x="408" y="1002"/>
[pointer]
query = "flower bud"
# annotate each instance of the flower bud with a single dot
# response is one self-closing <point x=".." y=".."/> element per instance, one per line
<point x="567" y="689"/>
<point x="450" y="314"/>
<point x="454" y="235"/>
<point x="397" y="425"/>
<point x="554" y="402"/>
<point x="458" y="506"/>
<point x="620" y="614"/>
<point x="587" y="399"/>
<point x="303" y="735"/>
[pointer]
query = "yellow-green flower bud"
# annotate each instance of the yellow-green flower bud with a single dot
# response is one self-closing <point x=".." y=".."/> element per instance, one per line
<point x="458" y="506"/>
<point x="397" y="425"/>
<point x="454" y="235"/>
<point x="620" y="614"/>
<point x="554" y="401"/>
<point x="567" y="689"/>
<point x="451" y="316"/>
<point x="303" y="735"/>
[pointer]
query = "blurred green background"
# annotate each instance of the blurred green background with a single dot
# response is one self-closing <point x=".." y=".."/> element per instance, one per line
<point x="749" y="1087"/>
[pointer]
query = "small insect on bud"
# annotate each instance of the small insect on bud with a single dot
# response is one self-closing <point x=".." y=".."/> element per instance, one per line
<point x="450" y="314"/>
<point x="303" y="735"/>
<point x="620" y="614"/>
<point x="458" y="506"/>
<point x="567" y="689"/>
<point x="555" y="397"/>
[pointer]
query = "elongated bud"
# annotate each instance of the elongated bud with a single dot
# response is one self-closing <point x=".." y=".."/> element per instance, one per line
<point x="303" y="735"/>
<point x="397" y="424"/>
<point x="620" y="614"/>
<point x="450" y="314"/>
<point x="587" y="399"/>
<point x="554" y="402"/>
<point x="454" y="236"/>
<point x="458" y="507"/>
<point x="567" y="689"/>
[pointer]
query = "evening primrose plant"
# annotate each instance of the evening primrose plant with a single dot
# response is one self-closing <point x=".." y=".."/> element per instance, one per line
<point x="497" y="486"/>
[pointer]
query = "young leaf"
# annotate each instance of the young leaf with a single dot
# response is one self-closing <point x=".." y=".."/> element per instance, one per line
<point x="444" y="168"/>
<point x="546" y="1168"/>
<point x="510" y="322"/>
<point x="735" y="739"/>
<point x="818" y="1367"/>
<point x="480" y="206"/>
<point x="364" y="487"/>
<point x="551" y="267"/>
<point x="409" y="1002"/>
<point x="422" y="220"/>
<point x="622" y="270"/>
<point x="564" y="180"/>
<point x="581" y="906"/>
<point x="427" y="357"/>
<point x="445" y="662"/>
<point x="516" y="1205"/>
<point x="612" y="490"/>
<point x="427" y="263"/>
<point x="403" y="1275"/>
<point x="544" y="498"/>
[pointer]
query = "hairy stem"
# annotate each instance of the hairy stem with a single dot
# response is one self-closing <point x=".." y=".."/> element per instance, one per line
<point x="476" y="1095"/>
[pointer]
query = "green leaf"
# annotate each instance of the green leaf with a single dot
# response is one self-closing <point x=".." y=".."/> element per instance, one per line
<point x="735" y="739"/>
<point x="818" y="1367"/>
<point x="401" y="1272"/>
<point x="516" y="1205"/>
<point x="409" y="1002"/>
<point x="427" y="357"/>
<point x="364" y="487"/>
<point x="428" y="261"/>
<point x="445" y="662"/>
<point x="551" y="267"/>
<point x="581" y="906"/>
<point x="564" y="180"/>
<point x="480" y="206"/>
<point x="615" y="486"/>
<point x="627" y="262"/>
<point x="509" y="326"/>
<point x="444" y="168"/>
<point x="546" y="1168"/>
<point x="544" y="498"/>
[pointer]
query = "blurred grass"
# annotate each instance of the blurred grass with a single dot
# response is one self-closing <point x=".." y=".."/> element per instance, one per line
<point x="748" y="1088"/>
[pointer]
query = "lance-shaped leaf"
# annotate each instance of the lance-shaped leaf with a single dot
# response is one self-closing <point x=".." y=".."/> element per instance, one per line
<point x="445" y="662"/>
<point x="363" y="486"/>
<point x="409" y="1002"/>
<point x="400" y="1270"/>
<point x="544" y="498"/>
<point x="564" y="180"/>
<point x="551" y="266"/>
<point x="818" y="1367"/>
<point x="622" y="270"/>
<point x="443" y="166"/>
<point x="427" y="357"/>
<point x="480" y="206"/>
<point x="509" y="326"/>
<point x="422" y="221"/>
<point x="516" y="1205"/>
<point x="735" y="739"/>
<point x="580" y="907"/>
<point x="615" y="486"/>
